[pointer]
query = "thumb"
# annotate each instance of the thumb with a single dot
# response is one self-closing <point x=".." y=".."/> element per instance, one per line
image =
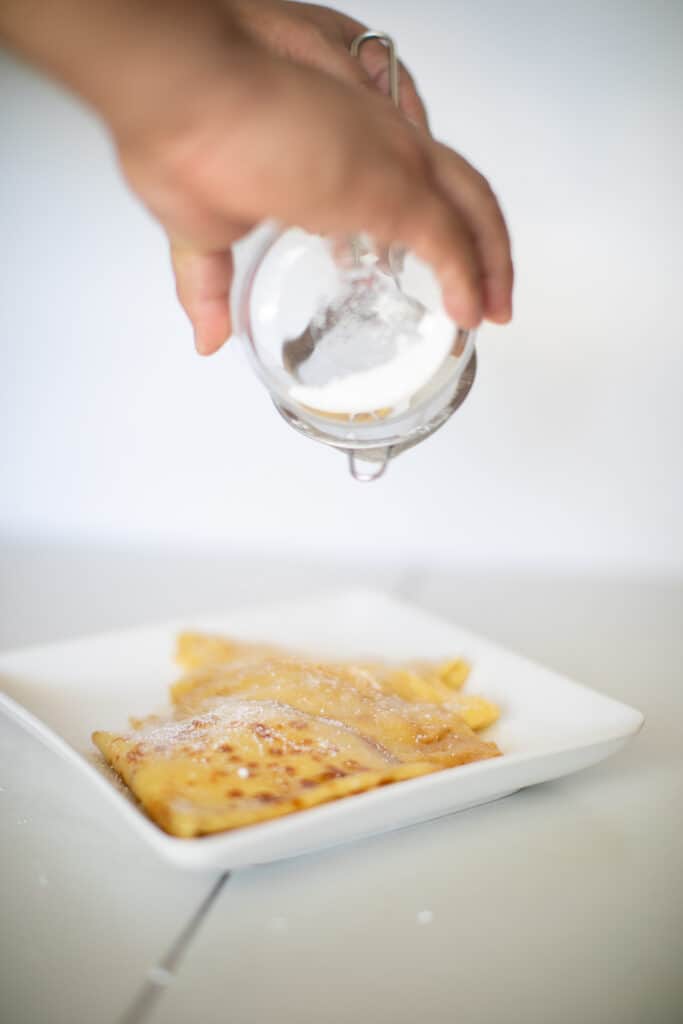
<point x="203" y="279"/>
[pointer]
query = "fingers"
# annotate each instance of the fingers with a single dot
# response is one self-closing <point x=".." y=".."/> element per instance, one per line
<point x="472" y="197"/>
<point x="203" y="281"/>
<point x="441" y="238"/>
<point x="373" y="171"/>
<point x="407" y="206"/>
<point x="396" y="196"/>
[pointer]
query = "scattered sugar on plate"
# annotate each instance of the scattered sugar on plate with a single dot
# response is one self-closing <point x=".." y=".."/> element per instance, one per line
<point x="424" y="917"/>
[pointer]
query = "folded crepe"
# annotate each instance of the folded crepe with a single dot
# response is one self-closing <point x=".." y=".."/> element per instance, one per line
<point x="256" y="733"/>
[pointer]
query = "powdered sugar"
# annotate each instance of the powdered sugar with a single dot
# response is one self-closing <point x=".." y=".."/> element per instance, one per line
<point x="374" y="348"/>
<point x="338" y="330"/>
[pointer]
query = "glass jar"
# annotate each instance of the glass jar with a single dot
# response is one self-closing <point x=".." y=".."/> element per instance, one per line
<point x="352" y="342"/>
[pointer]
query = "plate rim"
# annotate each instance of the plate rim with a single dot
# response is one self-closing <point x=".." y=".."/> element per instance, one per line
<point x="182" y="851"/>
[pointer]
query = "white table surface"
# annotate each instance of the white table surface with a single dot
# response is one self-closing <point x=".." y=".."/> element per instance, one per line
<point x="561" y="903"/>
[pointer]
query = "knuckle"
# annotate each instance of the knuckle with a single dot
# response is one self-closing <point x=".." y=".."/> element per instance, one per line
<point x="413" y="157"/>
<point x="485" y="190"/>
<point x="403" y="192"/>
<point x="428" y="229"/>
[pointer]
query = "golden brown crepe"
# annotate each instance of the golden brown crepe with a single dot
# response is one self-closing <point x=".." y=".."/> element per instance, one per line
<point x="257" y="733"/>
<point x="415" y="681"/>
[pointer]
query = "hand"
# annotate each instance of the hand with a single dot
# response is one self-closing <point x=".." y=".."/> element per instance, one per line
<point x="227" y="112"/>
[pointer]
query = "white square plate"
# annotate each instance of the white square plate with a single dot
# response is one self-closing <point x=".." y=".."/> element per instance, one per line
<point x="549" y="725"/>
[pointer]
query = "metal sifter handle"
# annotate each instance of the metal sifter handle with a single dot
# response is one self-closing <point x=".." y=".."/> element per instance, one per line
<point x="394" y="69"/>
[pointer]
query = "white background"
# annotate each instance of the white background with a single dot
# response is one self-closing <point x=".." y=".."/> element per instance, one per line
<point x="566" y="454"/>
